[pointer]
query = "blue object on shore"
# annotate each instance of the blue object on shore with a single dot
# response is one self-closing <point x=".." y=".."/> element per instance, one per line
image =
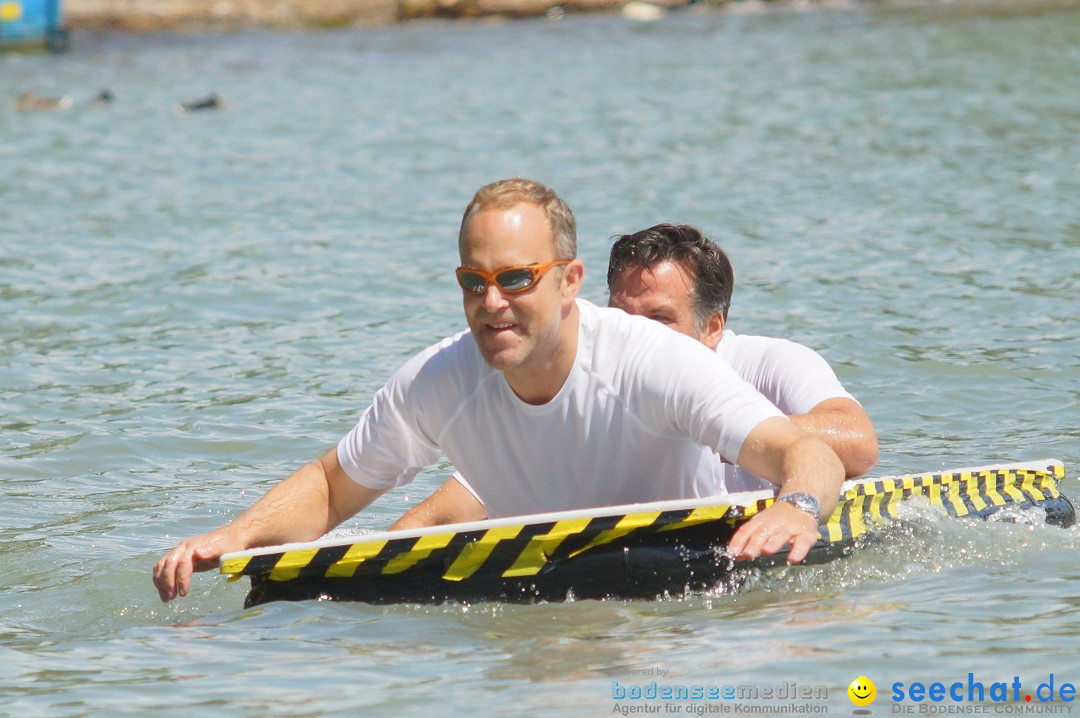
<point x="32" y="23"/>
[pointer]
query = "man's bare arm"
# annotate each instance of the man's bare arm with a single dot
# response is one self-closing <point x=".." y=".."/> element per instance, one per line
<point x="797" y="462"/>
<point x="302" y="507"/>
<point x="846" y="428"/>
<point x="450" y="504"/>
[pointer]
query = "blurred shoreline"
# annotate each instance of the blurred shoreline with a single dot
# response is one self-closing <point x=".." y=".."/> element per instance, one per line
<point x="169" y="15"/>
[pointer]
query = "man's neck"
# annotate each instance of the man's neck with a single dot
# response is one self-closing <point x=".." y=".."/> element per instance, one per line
<point x="539" y="384"/>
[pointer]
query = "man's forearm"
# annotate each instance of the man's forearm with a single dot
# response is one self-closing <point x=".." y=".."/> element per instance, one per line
<point x="303" y="506"/>
<point x="798" y="463"/>
<point x="810" y="466"/>
<point x="845" y="427"/>
<point x="794" y="460"/>
<point x="451" y="503"/>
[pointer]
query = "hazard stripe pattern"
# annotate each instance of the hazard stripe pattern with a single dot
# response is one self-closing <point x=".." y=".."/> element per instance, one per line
<point x="522" y="551"/>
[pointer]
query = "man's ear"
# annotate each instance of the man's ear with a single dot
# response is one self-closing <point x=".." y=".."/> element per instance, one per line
<point x="712" y="331"/>
<point x="573" y="277"/>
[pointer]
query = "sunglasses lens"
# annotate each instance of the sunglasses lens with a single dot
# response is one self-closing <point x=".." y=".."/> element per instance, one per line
<point x="472" y="282"/>
<point x="514" y="280"/>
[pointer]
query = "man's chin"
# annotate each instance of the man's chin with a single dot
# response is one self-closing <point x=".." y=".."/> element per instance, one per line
<point x="500" y="358"/>
<point x="500" y="361"/>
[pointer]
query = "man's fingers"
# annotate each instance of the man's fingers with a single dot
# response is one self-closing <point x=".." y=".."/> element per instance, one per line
<point x="777" y="541"/>
<point x="206" y="558"/>
<point x="172" y="572"/>
<point x="771" y="530"/>
<point x="183" y="575"/>
<point x="801" y="547"/>
<point x="737" y="544"/>
<point x="161" y="582"/>
<point x="169" y="573"/>
<point x="748" y="540"/>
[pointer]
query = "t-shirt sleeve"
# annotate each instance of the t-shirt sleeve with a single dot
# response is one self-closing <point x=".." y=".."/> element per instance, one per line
<point x="392" y="441"/>
<point x="721" y="410"/>
<point x="695" y="392"/>
<point x="468" y="487"/>
<point x="797" y="377"/>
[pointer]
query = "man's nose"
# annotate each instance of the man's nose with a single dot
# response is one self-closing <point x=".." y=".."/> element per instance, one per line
<point x="493" y="298"/>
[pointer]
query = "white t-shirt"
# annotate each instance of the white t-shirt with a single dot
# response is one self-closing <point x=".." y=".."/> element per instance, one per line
<point x="795" y="378"/>
<point x="627" y="426"/>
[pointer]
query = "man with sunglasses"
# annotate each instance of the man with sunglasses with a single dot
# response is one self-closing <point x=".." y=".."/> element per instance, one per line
<point x="674" y="275"/>
<point x="546" y="403"/>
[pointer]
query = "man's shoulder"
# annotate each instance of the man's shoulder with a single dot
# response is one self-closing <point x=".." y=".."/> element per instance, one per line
<point x="792" y="376"/>
<point x="455" y="354"/>
<point x="624" y="350"/>
<point x="734" y="345"/>
<point x="608" y="320"/>
<point x="595" y="316"/>
<point x="604" y="324"/>
<point x="608" y="331"/>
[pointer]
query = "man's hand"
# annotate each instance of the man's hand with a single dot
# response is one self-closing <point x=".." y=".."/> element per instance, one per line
<point x="774" y="528"/>
<point x="798" y="463"/>
<point x="302" y="507"/>
<point x="172" y="572"/>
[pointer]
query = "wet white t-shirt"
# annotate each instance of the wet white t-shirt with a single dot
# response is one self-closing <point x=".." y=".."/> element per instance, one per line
<point x="795" y="378"/>
<point x="638" y="419"/>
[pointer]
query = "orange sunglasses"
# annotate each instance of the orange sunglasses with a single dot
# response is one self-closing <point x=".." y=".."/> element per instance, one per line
<point x="509" y="279"/>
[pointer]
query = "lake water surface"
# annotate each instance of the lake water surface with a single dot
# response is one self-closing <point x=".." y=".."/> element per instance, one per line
<point x="195" y="304"/>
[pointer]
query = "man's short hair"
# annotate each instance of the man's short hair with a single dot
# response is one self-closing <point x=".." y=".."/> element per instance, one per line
<point x="506" y="193"/>
<point x="704" y="262"/>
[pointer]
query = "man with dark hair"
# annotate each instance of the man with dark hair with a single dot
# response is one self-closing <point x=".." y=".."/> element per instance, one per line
<point x="684" y="246"/>
<point x="542" y="407"/>
<point x="676" y="276"/>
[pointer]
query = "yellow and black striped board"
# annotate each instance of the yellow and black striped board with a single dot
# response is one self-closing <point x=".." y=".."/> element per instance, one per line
<point x="636" y="551"/>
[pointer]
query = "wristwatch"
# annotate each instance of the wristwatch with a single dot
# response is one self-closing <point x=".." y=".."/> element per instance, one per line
<point x="803" y="502"/>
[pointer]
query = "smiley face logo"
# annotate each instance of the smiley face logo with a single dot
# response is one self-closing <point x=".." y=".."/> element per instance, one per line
<point x="862" y="691"/>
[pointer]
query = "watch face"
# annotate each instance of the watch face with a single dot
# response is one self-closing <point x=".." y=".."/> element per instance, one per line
<point x="804" y="502"/>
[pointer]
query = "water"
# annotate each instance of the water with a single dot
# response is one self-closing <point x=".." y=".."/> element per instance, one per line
<point x="195" y="304"/>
